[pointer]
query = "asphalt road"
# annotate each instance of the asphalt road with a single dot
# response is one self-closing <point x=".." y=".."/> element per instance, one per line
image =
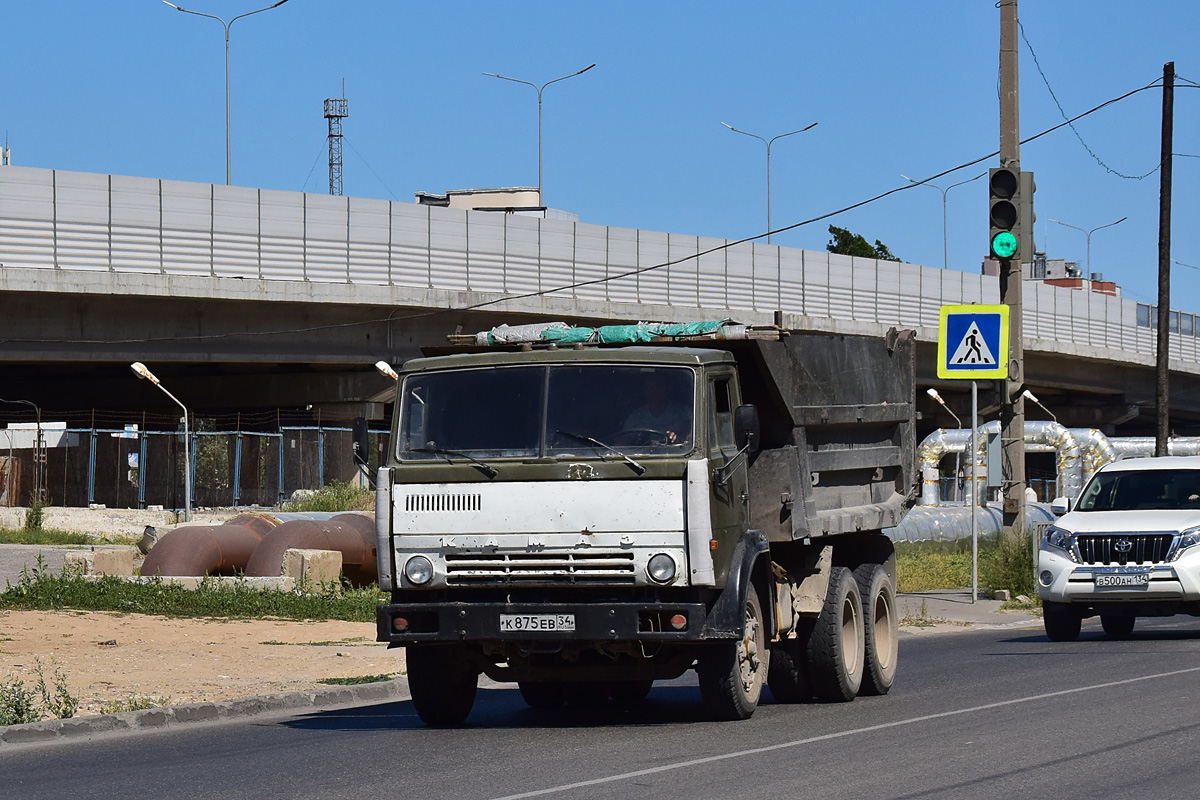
<point x="977" y="714"/>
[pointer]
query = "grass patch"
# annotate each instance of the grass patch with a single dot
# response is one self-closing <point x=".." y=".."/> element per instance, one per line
<point x="37" y="590"/>
<point x="135" y="702"/>
<point x="354" y="681"/>
<point x="1003" y="564"/>
<point x="47" y="536"/>
<point x="336" y="496"/>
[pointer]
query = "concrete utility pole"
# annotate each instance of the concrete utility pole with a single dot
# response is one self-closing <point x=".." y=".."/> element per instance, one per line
<point x="1163" y="346"/>
<point x="1012" y="408"/>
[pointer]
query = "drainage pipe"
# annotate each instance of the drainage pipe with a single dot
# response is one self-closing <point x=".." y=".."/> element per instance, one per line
<point x="353" y="535"/>
<point x="195" y="550"/>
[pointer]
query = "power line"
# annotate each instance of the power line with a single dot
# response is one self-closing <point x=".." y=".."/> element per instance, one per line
<point x="594" y="281"/>
<point x="373" y="172"/>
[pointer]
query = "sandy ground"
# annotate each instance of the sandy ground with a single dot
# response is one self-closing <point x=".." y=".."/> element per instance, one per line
<point x="112" y="658"/>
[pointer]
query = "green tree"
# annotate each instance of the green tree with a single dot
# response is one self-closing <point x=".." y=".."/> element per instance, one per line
<point x="848" y="243"/>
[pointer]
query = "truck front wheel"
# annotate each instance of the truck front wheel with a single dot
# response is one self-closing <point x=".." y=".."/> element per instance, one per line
<point x="732" y="674"/>
<point x="835" y="648"/>
<point x="443" y="683"/>
<point x="542" y="694"/>
<point x="881" y="629"/>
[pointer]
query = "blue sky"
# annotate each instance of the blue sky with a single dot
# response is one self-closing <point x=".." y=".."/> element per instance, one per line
<point x="136" y="88"/>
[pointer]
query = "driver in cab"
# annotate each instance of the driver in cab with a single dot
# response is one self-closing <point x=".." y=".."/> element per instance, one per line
<point x="664" y="414"/>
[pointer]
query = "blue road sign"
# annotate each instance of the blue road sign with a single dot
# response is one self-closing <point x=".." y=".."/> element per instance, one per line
<point x="973" y="342"/>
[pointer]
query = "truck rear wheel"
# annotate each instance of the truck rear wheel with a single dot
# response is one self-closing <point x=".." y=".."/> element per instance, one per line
<point x="835" y="648"/>
<point x="442" y="682"/>
<point x="881" y="629"/>
<point x="542" y="694"/>
<point x="732" y="673"/>
<point x="1062" y="623"/>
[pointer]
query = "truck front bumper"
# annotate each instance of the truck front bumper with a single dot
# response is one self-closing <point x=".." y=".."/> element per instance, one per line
<point x="403" y="623"/>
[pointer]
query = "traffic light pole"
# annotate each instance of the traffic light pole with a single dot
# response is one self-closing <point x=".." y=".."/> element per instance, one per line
<point x="1163" y="343"/>
<point x="1012" y="408"/>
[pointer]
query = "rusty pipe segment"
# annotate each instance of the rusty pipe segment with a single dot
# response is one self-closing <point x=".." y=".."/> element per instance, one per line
<point x="195" y="550"/>
<point x="353" y="535"/>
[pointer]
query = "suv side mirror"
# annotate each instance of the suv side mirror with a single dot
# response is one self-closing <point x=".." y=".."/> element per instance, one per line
<point x="1060" y="506"/>
<point x="746" y="428"/>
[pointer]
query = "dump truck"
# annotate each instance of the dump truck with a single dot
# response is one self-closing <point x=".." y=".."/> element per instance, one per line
<point x="586" y="511"/>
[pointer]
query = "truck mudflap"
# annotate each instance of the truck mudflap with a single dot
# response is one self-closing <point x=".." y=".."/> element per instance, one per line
<point x="404" y="623"/>
<point x="728" y="614"/>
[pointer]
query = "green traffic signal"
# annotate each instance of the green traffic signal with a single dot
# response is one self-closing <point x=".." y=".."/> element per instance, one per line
<point x="1004" y="245"/>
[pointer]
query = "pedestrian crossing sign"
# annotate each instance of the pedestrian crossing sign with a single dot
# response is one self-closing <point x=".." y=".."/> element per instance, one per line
<point x="973" y="342"/>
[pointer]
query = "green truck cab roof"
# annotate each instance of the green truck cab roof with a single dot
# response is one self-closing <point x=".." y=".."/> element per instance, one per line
<point x="633" y="354"/>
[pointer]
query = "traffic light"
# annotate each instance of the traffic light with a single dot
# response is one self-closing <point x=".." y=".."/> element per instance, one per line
<point x="1004" y="184"/>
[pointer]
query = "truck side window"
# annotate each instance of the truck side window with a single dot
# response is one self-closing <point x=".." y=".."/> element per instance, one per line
<point x="721" y="419"/>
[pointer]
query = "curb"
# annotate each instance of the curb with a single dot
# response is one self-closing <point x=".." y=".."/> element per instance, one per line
<point x="56" y="730"/>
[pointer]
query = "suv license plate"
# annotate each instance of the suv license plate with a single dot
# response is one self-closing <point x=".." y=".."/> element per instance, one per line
<point x="512" y="623"/>
<point x="1137" y="579"/>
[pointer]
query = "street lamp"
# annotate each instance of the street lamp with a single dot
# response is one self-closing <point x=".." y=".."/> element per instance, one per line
<point x="39" y="469"/>
<point x="227" y="25"/>
<point x="1028" y="395"/>
<point x="539" y="89"/>
<point x="140" y="370"/>
<point x="768" y="143"/>
<point x="945" y="228"/>
<point x="957" y="456"/>
<point x="1089" y="238"/>
<point x="385" y="369"/>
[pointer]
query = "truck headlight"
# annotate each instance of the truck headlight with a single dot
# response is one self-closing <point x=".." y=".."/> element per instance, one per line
<point x="661" y="568"/>
<point x="1186" y="539"/>
<point x="418" y="570"/>
<point x="1059" y="538"/>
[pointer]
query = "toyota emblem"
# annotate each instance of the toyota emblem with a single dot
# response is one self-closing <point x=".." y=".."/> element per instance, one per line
<point x="1122" y="545"/>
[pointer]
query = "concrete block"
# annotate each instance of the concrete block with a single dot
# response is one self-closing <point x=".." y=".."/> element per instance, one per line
<point x="79" y="562"/>
<point x="313" y="567"/>
<point x="113" y="561"/>
<point x="1002" y="594"/>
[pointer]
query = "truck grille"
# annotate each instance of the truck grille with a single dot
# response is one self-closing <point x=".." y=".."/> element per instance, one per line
<point x="1124" y="548"/>
<point x="442" y="502"/>
<point x="579" y="569"/>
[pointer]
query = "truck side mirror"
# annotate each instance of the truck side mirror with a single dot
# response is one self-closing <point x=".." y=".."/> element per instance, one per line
<point x="361" y="442"/>
<point x="746" y="428"/>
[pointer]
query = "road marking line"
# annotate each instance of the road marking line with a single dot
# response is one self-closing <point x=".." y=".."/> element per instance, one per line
<point x="841" y="734"/>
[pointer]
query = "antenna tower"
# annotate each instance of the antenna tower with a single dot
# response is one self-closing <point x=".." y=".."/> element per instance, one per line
<point x="335" y="109"/>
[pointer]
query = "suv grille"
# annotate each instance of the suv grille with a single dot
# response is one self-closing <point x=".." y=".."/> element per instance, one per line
<point x="1124" y="548"/>
<point x="579" y="569"/>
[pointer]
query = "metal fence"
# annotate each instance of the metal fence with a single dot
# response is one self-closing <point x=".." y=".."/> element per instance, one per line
<point x="120" y="468"/>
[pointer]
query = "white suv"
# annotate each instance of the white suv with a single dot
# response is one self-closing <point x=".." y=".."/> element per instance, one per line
<point x="1126" y="549"/>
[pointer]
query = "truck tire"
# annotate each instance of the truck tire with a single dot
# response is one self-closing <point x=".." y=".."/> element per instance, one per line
<point x="732" y="673"/>
<point x="542" y="694"/>
<point x="586" y="694"/>
<point x="1117" y="626"/>
<point x="835" y="648"/>
<point x="788" y="672"/>
<point x="881" y="629"/>
<point x="442" y="682"/>
<point x="1062" y="623"/>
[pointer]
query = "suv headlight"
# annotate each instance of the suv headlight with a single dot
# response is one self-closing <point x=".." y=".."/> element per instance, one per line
<point x="1059" y="539"/>
<point x="1186" y="539"/>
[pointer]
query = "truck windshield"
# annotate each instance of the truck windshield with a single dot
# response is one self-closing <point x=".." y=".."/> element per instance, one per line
<point x="1150" y="489"/>
<point x="532" y="411"/>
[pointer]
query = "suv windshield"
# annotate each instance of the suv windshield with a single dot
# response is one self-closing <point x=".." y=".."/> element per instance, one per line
<point x="588" y="410"/>
<point x="1151" y="489"/>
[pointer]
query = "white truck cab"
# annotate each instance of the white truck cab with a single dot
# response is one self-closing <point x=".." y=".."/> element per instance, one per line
<point x="1126" y="549"/>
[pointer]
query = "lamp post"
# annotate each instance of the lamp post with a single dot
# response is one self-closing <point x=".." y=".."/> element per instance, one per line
<point x="768" y="143"/>
<point x="385" y="369"/>
<point x="228" y="175"/>
<point x="957" y="456"/>
<point x="945" y="227"/>
<point x="539" y="90"/>
<point x="39" y="471"/>
<point x="1089" y="238"/>
<point x="1028" y="395"/>
<point x="140" y="370"/>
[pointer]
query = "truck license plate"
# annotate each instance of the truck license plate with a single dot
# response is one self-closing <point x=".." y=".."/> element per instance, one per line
<point x="1137" y="579"/>
<point x="511" y="623"/>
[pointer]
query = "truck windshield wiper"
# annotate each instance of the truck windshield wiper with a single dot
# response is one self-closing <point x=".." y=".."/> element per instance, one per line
<point x="638" y="468"/>
<point x="442" y="451"/>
